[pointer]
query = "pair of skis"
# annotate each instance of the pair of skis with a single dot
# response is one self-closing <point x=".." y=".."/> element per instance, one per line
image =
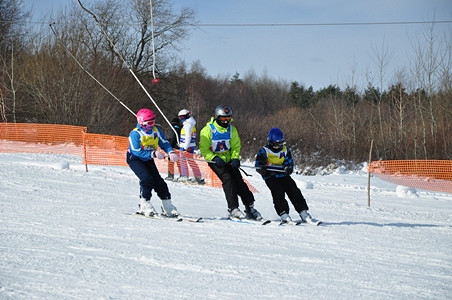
<point x="243" y="221"/>
<point x="282" y="223"/>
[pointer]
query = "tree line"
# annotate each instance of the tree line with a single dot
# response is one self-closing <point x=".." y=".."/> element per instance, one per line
<point x="47" y="77"/>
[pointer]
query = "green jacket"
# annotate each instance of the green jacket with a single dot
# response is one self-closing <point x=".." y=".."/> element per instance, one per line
<point x="205" y="140"/>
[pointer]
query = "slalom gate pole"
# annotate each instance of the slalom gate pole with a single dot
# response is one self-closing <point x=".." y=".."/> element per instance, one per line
<point x="128" y="66"/>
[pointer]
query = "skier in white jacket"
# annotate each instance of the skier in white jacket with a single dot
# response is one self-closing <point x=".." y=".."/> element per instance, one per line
<point x="187" y="146"/>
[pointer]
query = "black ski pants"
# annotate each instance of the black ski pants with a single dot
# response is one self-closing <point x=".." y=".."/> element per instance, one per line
<point x="286" y="185"/>
<point x="233" y="185"/>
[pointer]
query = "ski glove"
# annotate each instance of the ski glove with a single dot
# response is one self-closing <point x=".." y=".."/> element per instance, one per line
<point x="157" y="154"/>
<point x="219" y="162"/>
<point x="173" y="156"/>
<point x="288" y="170"/>
<point x="235" y="163"/>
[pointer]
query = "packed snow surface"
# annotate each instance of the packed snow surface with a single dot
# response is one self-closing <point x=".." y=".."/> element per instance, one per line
<point x="65" y="234"/>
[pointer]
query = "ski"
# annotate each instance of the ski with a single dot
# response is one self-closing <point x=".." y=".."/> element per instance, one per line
<point x="249" y="221"/>
<point x="295" y="223"/>
<point x="141" y="215"/>
<point x="313" y="222"/>
<point x="161" y="217"/>
<point x="190" y="219"/>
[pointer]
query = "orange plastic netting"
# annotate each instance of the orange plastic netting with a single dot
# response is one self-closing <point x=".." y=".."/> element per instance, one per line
<point x="435" y="175"/>
<point x="102" y="149"/>
<point x="95" y="149"/>
<point x="41" y="138"/>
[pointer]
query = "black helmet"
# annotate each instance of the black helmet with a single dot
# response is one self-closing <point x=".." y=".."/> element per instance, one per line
<point x="223" y="111"/>
<point x="223" y="114"/>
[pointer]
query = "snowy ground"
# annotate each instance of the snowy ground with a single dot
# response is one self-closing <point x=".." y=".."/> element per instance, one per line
<point x="64" y="235"/>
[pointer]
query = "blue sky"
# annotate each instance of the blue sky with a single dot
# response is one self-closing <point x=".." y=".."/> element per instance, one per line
<point x="314" y="55"/>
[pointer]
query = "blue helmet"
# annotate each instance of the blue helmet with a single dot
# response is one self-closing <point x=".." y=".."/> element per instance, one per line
<point x="275" y="136"/>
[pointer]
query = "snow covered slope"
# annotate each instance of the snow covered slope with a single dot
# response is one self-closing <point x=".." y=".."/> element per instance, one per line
<point x="64" y="235"/>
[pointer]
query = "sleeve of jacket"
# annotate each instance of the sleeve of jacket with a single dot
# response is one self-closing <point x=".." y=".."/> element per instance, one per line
<point x="163" y="142"/>
<point x="288" y="161"/>
<point x="261" y="158"/>
<point x="236" y="145"/>
<point x="205" y="139"/>
<point x="135" y="147"/>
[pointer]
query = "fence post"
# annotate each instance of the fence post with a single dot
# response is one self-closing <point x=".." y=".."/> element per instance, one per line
<point x="368" y="172"/>
<point x="84" y="149"/>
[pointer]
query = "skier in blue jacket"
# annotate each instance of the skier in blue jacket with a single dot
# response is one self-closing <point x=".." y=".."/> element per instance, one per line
<point x="274" y="162"/>
<point x="144" y="142"/>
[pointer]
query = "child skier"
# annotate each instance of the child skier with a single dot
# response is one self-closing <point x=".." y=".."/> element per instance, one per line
<point x="274" y="162"/>
<point x="143" y="143"/>
<point x="220" y="145"/>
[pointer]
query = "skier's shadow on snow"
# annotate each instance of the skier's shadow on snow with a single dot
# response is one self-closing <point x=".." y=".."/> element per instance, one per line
<point x="347" y="223"/>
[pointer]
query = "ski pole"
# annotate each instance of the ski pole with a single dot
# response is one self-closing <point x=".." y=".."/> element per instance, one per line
<point x="244" y="172"/>
<point x="195" y="159"/>
<point x="270" y="170"/>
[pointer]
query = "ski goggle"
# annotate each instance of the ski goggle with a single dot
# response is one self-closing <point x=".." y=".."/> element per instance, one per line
<point x="224" y="118"/>
<point x="149" y="123"/>
<point x="276" y="144"/>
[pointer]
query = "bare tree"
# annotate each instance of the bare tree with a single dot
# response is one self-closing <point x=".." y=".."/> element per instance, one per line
<point x="130" y="34"/>
<point x="382" y="59"/>
<point x="12" y="30"/>
<point x="8" y="84"/>
<point x="431" y="69"/>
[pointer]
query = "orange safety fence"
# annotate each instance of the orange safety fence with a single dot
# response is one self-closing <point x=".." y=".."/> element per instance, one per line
<point x="95" y="149"/>
<point x="102" y="149"/>
<point x="41" y="138"/>
<point x="434" y="175"/>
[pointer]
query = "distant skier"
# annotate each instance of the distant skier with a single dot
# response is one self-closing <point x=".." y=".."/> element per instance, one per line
<point x="173" y="138"/>
<point x="220" y="145"/>
<point x="144" y="141"/>
<point x="187" y="147"/>
<point x="274" y="162"/>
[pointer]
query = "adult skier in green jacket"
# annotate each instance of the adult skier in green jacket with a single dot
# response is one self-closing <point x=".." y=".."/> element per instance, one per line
<point x="220" y="145"/>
